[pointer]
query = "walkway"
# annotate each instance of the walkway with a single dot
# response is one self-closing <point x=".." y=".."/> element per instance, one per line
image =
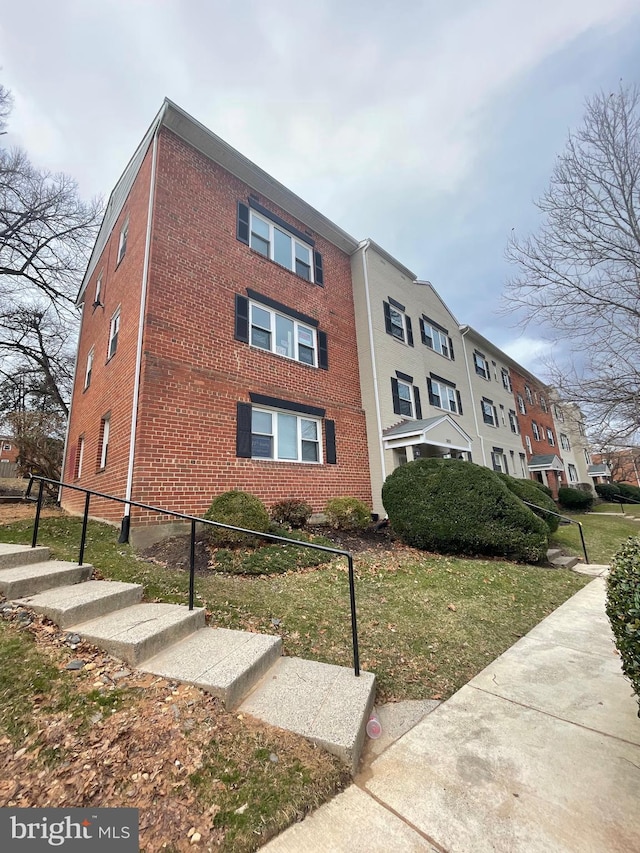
<point x="539" y="753"/>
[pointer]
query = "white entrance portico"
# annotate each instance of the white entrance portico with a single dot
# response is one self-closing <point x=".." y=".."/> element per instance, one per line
<point x="436" y="437"/>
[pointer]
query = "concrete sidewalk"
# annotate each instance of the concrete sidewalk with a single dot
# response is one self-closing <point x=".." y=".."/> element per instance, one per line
<point x="540" y="752"/>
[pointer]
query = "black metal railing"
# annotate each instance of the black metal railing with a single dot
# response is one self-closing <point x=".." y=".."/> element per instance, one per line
<point x="89" y="493"/>
<point x="564" y="518"/>
<point x="623" y="500"/>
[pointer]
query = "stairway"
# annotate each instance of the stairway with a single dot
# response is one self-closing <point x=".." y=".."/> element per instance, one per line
<point x="559" y="561"/>
<point x="325" y="703"/>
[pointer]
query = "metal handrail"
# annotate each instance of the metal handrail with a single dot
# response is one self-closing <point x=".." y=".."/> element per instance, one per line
<point x="193" y="519"/>
<point x="565" y="518"/>
<point x="623" y="500"/>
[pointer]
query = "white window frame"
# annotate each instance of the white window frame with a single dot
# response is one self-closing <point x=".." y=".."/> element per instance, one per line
<point x="506" y="379"/>
<point x="122" y="242"/>
<point x="528" y="395"/>
<point x="535" y="430"/>
<point x="398" y="325"/>
<point x="6" y="447"/>
<point x="587" y="456"/>
<point x="499" y="462"/>
<point x="513" y="422"/>
<point x="275" y="415"/>
<point x="114" y="331"/>
<point x="487" y="410"/>
<point x="447" y="396"/>
<point x="439" y="341"/>
<point x="481" y="366"/>
<point x="89" y="368"/>
<point x="558" y="413"/>
<point x="527" y="441"/>
<point x="543" y="403"/>
<point x="521" y="406"/>
<point x="523" y="464"/>
<point x="97" y="301"/>
<point x="407" y="398"/>
<point x="573" y="473"/>
<point x="104" y="444"/>
<point x="79" y="457"/>
<point x="272" y="227"/>
<point x="550" y="438"/>
<point x="565" y="444"/>
<point x="299" y="329"/>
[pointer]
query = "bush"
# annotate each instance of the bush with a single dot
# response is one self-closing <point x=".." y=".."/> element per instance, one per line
<point x="627" y="491"/>
<point x="293" y="512"/>
<point x="347" y="514"/>
<point x="540" y="486"/>
<point x="276" y="558"/>
<point x="623" y="608"/>
<point x="574" y="499"/>
<point x="457" y="507"/>
<point x="528" y="490"/>
<point x="240" y="509"/>
<point x="607" y="491"/>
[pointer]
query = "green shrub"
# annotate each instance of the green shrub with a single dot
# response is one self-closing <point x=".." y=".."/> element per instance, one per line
<point x="623" y="608"/>
<point x="275" y="558"/>
<point x="347" y="513"/>
<point x="540" y="486"/>
<point x="239" y="509"/>
<point x="529" y="490"/>
<point x="628" y="492"/>
<point x="607" y="491"/>
<point x="293" y="512"/>
<point x="457" y="507"/>
<point x="574" y="499"/>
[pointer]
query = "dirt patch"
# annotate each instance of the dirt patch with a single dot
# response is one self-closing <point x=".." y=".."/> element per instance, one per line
<point x="22" y="511"/>
<point x="379" y="541"/>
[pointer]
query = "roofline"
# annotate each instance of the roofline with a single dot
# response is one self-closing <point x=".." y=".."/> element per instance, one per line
<point x="441" y="300"/>
<point x="369" y="243"/>
<point x="464" y="329"/>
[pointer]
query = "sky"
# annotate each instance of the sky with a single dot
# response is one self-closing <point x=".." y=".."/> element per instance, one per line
<point x="429" y="127"/>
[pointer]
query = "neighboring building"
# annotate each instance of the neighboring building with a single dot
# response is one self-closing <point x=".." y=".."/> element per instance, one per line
<point x="572" y="441"/>
<point x="8" y="456"/>
<point x="600" y="473"/>
<point x="623" y="465"/>
<point x="494" y="405"/>
<point x="217" y="346"/>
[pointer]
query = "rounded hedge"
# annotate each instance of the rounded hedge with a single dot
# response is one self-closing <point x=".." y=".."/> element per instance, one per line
<point x="348" y="513"/>
<point x="457" y="507"/>
<point x="240" y="509"/>
<point x="623" y="608"/>
<point x="607" y="491"/>
<point x="627" y="491"/>
<point x="538" y="485"/>
<point x="529" y="490"/>
<point x="574" y="499"/>
<point x="293" y="512"/>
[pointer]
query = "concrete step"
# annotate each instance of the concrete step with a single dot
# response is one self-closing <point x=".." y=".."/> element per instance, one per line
<point x="325" y="703"/>
<point x="141" y="631"/>
<point x="69" y="605"/>
<point x="552" y="553"/>
<point x="565" y="562"/>
<point x="36" y="577"/>
<point x="21" y="555"/>
<point x="223" y="662"/>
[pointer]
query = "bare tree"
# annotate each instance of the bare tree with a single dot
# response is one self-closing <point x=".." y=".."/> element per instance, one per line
<point x="46" y="234"/>
<point x="580" y="273"/>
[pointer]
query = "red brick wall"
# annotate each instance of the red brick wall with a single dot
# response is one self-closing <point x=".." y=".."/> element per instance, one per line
<point x="194" y="372"/>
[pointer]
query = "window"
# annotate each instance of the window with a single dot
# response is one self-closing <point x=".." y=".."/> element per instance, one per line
<point x="506" y="379"/>
<point x="528" y="395"/>
<point x="396" y="322"/>
<point x="550" y="437"/>
<point x="535" y="430"/>
<point x="543" y="404"/>
<point x="122" y="243"/>
<point x="489" y="413"/>
<point x="6" y="447"/>
<point x="587" y="457"/>
<point x="513" y="422"/>
<point x="581" y="428"/>
<point x="481" y="365"/>
<point x="521" y="406"/>
<point x="435" y="338"/>
<point x="523" y="464"/>
<point x="87" y="375"/>
<point x="565" y="444"/>
<point x="558" y="413"/>
<point x="282" y="335"/>
<point x="527" y="441"/>
<point x="442" y="395"/>
<point x="96" y="301"/>
<point x="281" y="246"/>
<point x="405" y="396"/>
<point x="79" y="457"/>
<point x="105" y="429"/>
<point x="573" y="473"/>
<point x="284" y="437"/>
<point x="498" y="461"/>
<point x="114" y="329"/>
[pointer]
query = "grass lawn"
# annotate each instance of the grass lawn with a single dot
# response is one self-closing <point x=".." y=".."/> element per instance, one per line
<point x="629" y="509"/>
<point x="603" y="535"/>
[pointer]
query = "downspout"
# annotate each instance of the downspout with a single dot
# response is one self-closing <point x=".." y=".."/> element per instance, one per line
<point x="68" y="426"/>
<point x="126" y="519"/>
<point x="376" y="394"/>
<point x="473" y="400"/>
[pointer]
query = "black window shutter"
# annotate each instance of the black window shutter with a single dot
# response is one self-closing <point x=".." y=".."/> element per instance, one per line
<point x="409" y="331"/>
<point x="459" y="402"/>
<point x="323" y="352"/>
<point x="330" y="442"/>
<point x="318" y="273"/>
<point x="395" y="394"/>
<point x="387" y="318"/>
<point x="242" y="318"/>
<point x="243" y="223"/>
<point x="495" y="415"/>
<point x="243" y="431"/>
<point x="416" y="397"/>
<point x="432" y="399"/>
<point x="453" y="358"/>
<point x="422" y="332"/>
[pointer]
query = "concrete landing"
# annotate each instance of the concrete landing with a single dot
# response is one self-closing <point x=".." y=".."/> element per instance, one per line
<point x="325" y="703"/>
<point x="21" y="555"/>
<point x="69" y="605"/>
<point x="138" y="632"/>
<point x="36" y="577"/>
<point x="594" y="570"/>
<point x="223" y="662"/>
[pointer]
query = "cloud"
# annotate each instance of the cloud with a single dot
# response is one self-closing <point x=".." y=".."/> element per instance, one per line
<point x="532" y="353"/>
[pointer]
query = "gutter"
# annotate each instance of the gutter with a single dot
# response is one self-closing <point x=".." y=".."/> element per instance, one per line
<point x="126" y="520"/>
<point x="73" y="387"/>
<point x="463" y="332"/>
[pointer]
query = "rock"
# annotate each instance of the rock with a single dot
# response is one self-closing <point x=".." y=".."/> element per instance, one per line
<point x="273" y="757"/>
<point x="20" y="752"/>
<point x="195" y="837"/>
<point x="90" y="666"/>
<point x="72" y="639"/>
<point x="75" y="664"/>
<point x="121" y="673"/>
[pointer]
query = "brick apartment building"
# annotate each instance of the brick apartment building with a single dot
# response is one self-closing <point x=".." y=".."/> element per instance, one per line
<point x="217" y="346"/>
